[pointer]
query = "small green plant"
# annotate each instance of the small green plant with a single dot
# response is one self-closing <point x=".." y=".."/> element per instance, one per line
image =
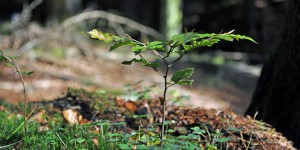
<point x="179" y="45"/>
<point x="10" y="61"/>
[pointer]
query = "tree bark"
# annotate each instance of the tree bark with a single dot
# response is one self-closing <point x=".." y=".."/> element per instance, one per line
<point x="277" y="96"/>
<point x="171" y="21"/>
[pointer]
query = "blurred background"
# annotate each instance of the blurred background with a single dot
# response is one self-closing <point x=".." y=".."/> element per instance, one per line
<point x="48" y="37"/>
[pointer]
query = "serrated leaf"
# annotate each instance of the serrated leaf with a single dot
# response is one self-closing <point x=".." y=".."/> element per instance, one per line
<point x="118" y="44"/>
<point x="179" y="38"/>
<point x="225" y="37"/>
<point x="208" y="42"/>
<point x="237" y="37"/>
<point x="129" y="62"/>
<point x="137" y="49"/>
<point x="143" y="61"/>
<point x="96" y="34"/>
<point x="27" y="72"/>
<point x="182" y="74"/>
<point x="156" y="45"/>
<point x="185" y="82"/>
<point x="154" y="64"/>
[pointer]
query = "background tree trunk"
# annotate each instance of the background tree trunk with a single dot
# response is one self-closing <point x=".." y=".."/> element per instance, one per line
<point x="171" y="21"/>
<point x="277" y="96"/>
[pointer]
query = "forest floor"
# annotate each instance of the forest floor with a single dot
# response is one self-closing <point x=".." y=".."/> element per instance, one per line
<point x="59" y="66"/>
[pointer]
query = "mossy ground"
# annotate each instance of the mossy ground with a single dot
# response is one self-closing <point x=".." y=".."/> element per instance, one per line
<point x="106" y="121"/>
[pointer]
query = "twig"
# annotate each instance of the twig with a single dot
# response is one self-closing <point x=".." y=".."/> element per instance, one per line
<point x="242" y="139"/>
<point x="31" y="44"/>
<point x="11" y="60"/>
<point x="259" y="141"/>
<point x="155" y="69"/>
<point x="6" y="146"/>
<point x="118" y="28"/>
<point x="114" y="19"/>
<point x="61" y="140"/>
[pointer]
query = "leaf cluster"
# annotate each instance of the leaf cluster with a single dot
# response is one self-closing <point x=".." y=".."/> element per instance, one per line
<point x="179" y="44"/>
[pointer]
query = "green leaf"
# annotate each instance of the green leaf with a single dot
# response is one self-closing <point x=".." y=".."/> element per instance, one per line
<point x="2" y="58"/>
<point x="130" y="61"/>
<point x="182" y="74"/>
<point x="237" y="37"/>
<point x="141" y="60"/>
<point x="223" y="140"/>
<point x="231" y="128"/>
<point x="179" y="38"/>
<point x="154" y="64"/>
<point x="96" y="34"/>
<point x="197" y="130"/>
<point x="192" y="40"/>
<point x="185" y="37"/>
<point x="142" y="147"/>
<point x="115" y="135"/>
<point x="137" y="49"/>
<point x="27" y="72"/>
<point x="156" y="45"/>
<point x="78" y="140"/>
<point x="225" y="37"/>
<point x="186" y="82"/>
<point x="118" y="44"/>
<point x="125" y="146"/>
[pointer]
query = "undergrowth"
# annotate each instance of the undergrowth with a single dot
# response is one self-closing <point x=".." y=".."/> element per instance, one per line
<point x="54" y="132"/>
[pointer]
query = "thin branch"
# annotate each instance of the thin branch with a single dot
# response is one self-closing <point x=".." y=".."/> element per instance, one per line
<point x="185" y="52"/>
<point x="31" y="44"/>
<point x="24" y="90"/>
<point x="170" y="85"/>
<point x="61" y="140"/>
<point x="158" y="54"/>
<point x="130" y="38"/>
<point x="118" y="28"/>
<point x="155" y="69"/>
<point x="114" y="19"/>
<point x="171" y="50"/>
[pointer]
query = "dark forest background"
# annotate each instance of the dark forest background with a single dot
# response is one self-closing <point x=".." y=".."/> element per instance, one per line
<point x="274" y="24"/>
<point x="260" y="19"/>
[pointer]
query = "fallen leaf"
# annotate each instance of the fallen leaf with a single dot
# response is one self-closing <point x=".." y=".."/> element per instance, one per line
<point x="43" y="128"/>
<point x="131" y="106"/>
<point x="2" y="108"/>
<point x="95" y="141"/>
<point x="84" y="121"/>
<point x="73" y="117"/>
<point x="37" y="117"/>
<point x="119" y="101"/>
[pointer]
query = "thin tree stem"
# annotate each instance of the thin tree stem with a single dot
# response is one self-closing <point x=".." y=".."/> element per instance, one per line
<point x="164" y="100"/>
<point x="24" y="91"/>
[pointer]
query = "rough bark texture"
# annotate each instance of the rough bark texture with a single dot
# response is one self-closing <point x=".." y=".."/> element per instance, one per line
<point x="277" y="96"/>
